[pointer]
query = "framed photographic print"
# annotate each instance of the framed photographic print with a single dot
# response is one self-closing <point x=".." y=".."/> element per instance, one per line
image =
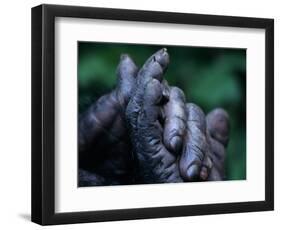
<point x="142" y="114"/>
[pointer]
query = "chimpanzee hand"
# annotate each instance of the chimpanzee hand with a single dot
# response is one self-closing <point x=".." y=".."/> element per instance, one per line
<point x="103" y="123"/>
<point x="104" y="146"/>
<point x="183" y="147"/>
<point x="171" y="140"/>
<point x="104" y="120"/>
<point x="155" y="164"/>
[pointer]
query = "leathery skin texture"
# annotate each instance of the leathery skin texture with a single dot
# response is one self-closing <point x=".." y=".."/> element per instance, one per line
<point x="144" y="131"/>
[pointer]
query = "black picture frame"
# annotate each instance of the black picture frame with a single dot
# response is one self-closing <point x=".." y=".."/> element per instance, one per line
<point x="43" y="110"/>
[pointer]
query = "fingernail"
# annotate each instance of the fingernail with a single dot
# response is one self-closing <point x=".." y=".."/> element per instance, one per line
<point x="176" y="144"/>
<point x="162" y="57"/>
<point x="192" y="172"/>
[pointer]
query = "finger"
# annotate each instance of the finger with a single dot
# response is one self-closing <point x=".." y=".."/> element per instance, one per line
<point x="175" y="120"/>
<point x="165" y="98"/>
<point x="150" y="70"/>
<point x="218" y="131"/>
<point x="157" y="164"/>
<point x="147" y="111"/>
<point x="161" y="56"/>
<point x="217" y="155"/>
<point x="154" y="67"/>
<point x="105" y="118"/>
<point x="151" y="101"/>
<point x="97" y="122"/>
<point x="126" y="74"/>
<point x="218" y="125"/>
<point x="196" y="144"/>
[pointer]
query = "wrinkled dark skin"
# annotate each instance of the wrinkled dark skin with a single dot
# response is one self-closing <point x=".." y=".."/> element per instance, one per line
<point x="144" y="132"/>
<point x="218" y="135"/>
<point x="154" y="163"/>
<point x="104" y="146"/>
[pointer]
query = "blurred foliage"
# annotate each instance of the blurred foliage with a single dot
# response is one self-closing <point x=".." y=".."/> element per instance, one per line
<point x="210" y="77"/>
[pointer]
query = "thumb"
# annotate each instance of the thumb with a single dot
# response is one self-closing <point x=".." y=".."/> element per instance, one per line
<point x="126" y="76"/>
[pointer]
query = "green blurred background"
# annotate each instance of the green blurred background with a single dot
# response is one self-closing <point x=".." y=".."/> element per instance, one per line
<point x="210" y="78"/>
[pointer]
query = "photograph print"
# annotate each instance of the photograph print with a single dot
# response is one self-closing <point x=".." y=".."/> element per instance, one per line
<point x="151" y="114"/>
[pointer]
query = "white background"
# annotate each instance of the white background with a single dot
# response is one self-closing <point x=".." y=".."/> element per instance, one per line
<point x="15" y="115"/>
